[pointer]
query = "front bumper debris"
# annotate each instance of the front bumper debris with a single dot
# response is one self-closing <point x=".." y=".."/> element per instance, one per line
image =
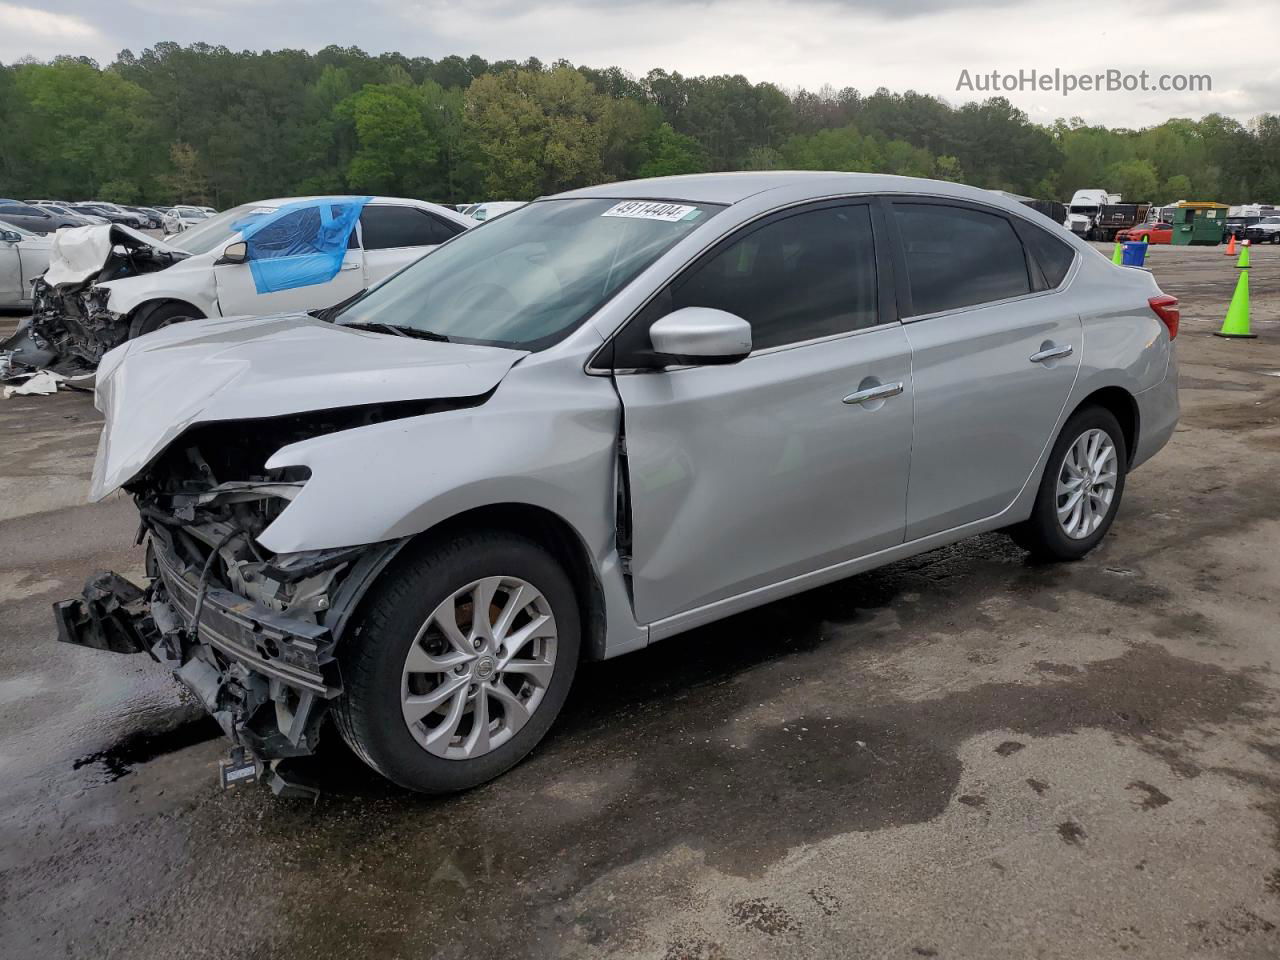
<point x="266" y="677"/>
<point x="110" y="615"/>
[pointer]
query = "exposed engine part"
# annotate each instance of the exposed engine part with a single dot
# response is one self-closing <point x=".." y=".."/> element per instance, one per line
<point x="251" y="633"/>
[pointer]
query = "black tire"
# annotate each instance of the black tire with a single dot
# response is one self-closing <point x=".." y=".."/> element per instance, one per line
<point x="372" y="656"/>
<point x="1042" y="534"/>
<point x="149" y="320"/>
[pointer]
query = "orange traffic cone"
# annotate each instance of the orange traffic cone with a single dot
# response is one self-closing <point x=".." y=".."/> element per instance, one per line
<point x="1231" y="247"/>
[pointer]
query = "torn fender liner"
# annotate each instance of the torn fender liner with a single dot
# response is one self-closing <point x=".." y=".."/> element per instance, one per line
<point x="111" y="615"/>
<point x="301" y="243"/>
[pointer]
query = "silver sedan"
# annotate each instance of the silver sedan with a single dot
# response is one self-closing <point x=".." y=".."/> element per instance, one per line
<point x="23" y="257"/>
<point x="595" y="423"/>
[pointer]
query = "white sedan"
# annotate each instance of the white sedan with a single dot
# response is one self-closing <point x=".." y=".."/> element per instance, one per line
<point x="23" y="257"/>
<point x="273" y="256"/>
<point x="178" y="219"/>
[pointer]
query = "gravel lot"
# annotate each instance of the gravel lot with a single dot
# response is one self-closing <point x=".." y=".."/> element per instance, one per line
<point x="960" y="755"/>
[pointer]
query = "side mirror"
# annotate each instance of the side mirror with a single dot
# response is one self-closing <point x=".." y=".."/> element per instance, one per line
<point x="237" y="252"/>
<point x="699" y="336"/>
<point x="8" y="236"/>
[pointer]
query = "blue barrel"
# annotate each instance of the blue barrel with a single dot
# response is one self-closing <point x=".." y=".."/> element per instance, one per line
<point x="1135" y="254"/>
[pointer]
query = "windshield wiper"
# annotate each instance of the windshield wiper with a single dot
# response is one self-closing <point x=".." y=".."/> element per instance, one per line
<point x="400" y="331"/>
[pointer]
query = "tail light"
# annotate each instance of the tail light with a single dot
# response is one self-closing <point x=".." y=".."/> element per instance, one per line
<point x="1166" y="308"/>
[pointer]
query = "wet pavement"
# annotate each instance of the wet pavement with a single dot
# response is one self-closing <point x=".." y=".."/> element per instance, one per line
<point x="959" y="755"/>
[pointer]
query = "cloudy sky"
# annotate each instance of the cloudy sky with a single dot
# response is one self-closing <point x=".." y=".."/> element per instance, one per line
<point x="900" y="44"/>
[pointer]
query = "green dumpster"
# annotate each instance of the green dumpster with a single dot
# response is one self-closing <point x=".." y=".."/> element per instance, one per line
<point x="1198" y="225"/>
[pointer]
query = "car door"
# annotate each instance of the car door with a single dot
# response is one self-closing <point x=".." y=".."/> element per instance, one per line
<point x="995" y="351"/>
<point x="11" y="280"/>
<point x="242" y="290"/>
<point x="796" y="457"/>
<point x="394" y="236"/>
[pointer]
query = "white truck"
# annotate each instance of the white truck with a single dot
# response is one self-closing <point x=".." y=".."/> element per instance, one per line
<point x="1083" y="210"/>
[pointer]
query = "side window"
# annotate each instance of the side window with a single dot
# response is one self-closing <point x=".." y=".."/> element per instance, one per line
<point x="289" y="235"/>
<point x="388" y="227"/>
<point x="958" y="257"/>
<point x="22" y="210"/>
<point x="1053" y="256"/>
<point x="446" y="228"/>
<point x="807" y="276"/>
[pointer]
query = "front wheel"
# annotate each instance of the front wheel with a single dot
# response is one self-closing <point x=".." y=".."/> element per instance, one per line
<point x="460" y="662"/>
<point x="148" y="321"/>
<point x="1080" y="491"/>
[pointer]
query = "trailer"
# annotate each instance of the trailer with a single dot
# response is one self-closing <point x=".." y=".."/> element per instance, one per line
<point x="1113" y="218"/>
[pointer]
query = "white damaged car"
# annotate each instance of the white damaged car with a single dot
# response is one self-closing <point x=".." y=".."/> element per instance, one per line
<point x="109" y="283"/>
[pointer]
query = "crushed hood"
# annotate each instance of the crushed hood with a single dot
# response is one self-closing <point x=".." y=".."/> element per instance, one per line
<point x="78" y="253"/>
<point x="239" y="368"/>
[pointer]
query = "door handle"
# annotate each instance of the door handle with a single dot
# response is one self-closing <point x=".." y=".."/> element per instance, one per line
<point x="1053" y="353"/>
<point x="350" y="266"/>
<point x="881" y="392"/>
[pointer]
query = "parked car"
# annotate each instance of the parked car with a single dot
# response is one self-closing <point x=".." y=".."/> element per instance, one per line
<point x="154" y="218"/>
<point x="92" y="213"/>
<point x="40" y="219"/>
<point x="1154" y="233"/>
<point x="493" y="208"/>
<point x="1236" y="226"/>
<point x="23" y="257"/>
<point x="66" y="211"/>
<point x="113" y="213"/>
<point x="256" y="259"/>
<point x="180" y="218"/>
<point x="597" y="422"/>
<point x="1266" y="230"/>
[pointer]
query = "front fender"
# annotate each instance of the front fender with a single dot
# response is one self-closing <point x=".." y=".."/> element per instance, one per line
<point x="542" y="439"/>
<point x="193" y="286"/>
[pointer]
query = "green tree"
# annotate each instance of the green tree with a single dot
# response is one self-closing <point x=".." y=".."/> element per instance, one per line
<point x="670" y="153"/>
<point x="1177" y="187"/>
<point x="394" y="152"/>
<point x="537" y="131"/>
<point x="186" y="184"/>
<point x="1135" y="180"/>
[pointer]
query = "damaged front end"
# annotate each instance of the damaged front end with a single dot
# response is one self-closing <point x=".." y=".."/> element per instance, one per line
<point x="251" y="633"/>
<point x="71" y="326"/>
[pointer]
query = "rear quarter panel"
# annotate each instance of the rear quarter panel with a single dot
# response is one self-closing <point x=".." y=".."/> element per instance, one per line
<point x="1125" y="344"/>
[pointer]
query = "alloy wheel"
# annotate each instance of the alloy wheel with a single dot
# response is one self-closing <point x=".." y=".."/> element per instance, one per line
<point x="1086" y="484"/>
<point x="479" y="667"/>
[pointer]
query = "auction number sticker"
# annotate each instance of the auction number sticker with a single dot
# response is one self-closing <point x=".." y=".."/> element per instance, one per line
<point x="650" y="210"/>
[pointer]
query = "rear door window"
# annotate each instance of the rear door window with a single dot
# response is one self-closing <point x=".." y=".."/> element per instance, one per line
<point x="959" y="257"/>
<point x="387" y="227"/>
<point x="1052" y="255"/>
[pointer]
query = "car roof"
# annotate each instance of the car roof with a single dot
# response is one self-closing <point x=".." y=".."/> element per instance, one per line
<point x="729" y="188"/>
<point x="448" y="212"/>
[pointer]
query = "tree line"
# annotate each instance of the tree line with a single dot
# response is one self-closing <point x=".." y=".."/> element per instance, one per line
<point x="210" y="125"/>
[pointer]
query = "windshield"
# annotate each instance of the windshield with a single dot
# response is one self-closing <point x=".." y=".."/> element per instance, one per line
<point x="1081" y="208"/>
<point x="214" y="231"/>
<point x="529" y="278"/>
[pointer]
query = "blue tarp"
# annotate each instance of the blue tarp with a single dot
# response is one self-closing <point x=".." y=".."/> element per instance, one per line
<point x="300" y="243"/>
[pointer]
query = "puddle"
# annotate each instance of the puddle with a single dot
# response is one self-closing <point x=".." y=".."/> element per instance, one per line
<point x="119" y="759"/>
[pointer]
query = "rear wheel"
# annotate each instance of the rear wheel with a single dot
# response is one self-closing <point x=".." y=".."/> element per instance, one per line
<point x="460" y="662"/>
<point x="1081" y="488"/>
<point x="148" y="321"/>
